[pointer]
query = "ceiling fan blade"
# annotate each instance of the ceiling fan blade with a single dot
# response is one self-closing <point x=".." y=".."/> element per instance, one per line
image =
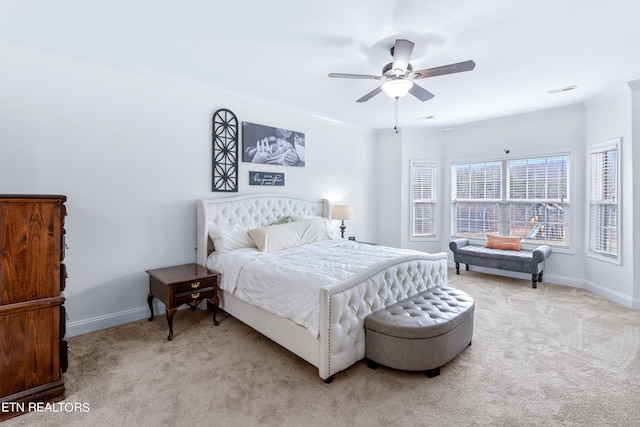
<point x="401" y="55"/>
<point x="370" y="94"/>
<point x="420" y="93"/>
<point x="353" y="76"/>
<point x="444" y="69"/>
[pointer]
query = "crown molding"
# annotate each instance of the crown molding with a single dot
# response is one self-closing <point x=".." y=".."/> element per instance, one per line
<point x="634" y="85"/>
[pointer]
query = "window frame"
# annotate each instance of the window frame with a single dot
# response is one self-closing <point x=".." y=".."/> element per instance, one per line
<point x="434" y="165"/>
<point x="502" y="221"/>
<point x="593" y="149"/>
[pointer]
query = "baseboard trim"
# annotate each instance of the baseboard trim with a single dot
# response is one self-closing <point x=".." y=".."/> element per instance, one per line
<point x="597" y="289"/>
<point x="612" y="295"/>
<point x="85" y="326"/>
<point x="548" y="278"/>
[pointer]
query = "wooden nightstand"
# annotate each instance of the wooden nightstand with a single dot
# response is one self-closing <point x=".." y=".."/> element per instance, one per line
<point x="183" y="284"/>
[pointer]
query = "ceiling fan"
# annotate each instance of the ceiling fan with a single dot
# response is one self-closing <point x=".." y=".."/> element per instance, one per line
<point x="399" y="75"/>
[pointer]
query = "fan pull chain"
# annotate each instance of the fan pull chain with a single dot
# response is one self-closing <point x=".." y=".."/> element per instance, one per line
<point x="396" y="126"/>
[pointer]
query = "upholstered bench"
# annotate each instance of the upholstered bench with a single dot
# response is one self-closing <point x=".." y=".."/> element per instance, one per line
<point x="420" y="333"/>
<point x="522" y="261"/>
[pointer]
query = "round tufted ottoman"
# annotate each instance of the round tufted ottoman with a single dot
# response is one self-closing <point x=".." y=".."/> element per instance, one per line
<point x="421" y="333"/>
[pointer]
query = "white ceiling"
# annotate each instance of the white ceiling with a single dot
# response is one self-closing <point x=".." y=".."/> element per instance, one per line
<point x="281" y="51"/>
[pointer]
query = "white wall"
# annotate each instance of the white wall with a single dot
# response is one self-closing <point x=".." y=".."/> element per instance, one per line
<point x="389" y="188"/>
<point x="394" y="155"/>
<point x="132" y="152"/>
<point x="561" y="129"/>
<point x="609" y="117"/>
<point x="571" y="129"/>
<point x="634" y="232"/>
<point x="542" y="132"/>
<point x="427" y="146"/>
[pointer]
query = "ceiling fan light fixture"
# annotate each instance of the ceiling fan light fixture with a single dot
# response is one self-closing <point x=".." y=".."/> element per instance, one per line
<point x="397" y="88"/>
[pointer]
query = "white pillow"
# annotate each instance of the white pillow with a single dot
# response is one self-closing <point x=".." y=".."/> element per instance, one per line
<point x="229" y="237"/>
<point x="283" y="236"/>
<point x="303" y="217"/>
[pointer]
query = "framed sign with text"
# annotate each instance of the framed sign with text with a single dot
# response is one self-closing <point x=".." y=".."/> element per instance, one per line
<point x="266" y="178"/>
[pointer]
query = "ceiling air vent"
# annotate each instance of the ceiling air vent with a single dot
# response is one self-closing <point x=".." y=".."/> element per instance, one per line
<point x="562" y="89"/>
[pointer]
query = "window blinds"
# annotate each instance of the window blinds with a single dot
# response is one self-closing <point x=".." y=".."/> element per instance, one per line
<point x="604" y="199"/>
<point x="526" y="197"/>
<point x="423" y="197"/>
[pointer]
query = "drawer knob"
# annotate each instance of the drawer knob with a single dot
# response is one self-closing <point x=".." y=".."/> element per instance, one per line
<point x="194" y="296"/>
<point x="195" y="285"/>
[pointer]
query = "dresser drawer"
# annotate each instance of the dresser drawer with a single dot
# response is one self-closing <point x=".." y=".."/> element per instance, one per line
<point x="63" y="276"/>
<point x="63" y="246"/>
<point x="194" y="285"/>
<point x="193" y="296"/>
<point x="63" y="321"/>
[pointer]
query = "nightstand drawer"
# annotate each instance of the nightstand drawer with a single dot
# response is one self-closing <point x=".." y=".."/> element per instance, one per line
<point x="194" y="285"/>
<point x="196" y="295"/>
<point x="182" y="284"/>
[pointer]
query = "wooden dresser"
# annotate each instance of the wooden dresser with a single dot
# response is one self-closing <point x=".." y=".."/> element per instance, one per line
<point x="33" y="352"/>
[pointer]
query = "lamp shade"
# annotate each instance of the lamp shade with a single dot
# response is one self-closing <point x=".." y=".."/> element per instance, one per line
<point x="397" y="88"/>
<point x="341" y="212"/>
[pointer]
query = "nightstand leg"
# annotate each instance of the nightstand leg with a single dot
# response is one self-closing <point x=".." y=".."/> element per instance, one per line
<point x="215" y="301"/>
<point x="149" y="301"/>
<point x="170" y="313"/>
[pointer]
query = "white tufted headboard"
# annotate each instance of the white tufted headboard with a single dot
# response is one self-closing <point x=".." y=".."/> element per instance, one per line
<point x="251" y="209"/>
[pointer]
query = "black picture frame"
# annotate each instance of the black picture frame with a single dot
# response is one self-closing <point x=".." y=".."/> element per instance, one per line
<point x="275" y="146"/>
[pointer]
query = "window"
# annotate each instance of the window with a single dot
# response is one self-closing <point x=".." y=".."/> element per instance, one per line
<point x="604" y="197"/>
<point x="526" y="197"/>
<point x="423" y="199"/>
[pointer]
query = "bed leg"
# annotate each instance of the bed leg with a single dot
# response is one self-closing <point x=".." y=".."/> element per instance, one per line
<point x="328" y="380"/>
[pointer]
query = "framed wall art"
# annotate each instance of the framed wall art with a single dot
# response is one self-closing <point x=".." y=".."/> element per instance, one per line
<point x="274" y="146"/>
<point x="225" y="151"/>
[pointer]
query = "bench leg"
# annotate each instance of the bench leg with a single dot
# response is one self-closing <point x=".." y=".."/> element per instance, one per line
<point x="430" y="373"/>
<point x="467" y="267"/>
<point x="457" y="268"/>
<point x="535" y="278"/>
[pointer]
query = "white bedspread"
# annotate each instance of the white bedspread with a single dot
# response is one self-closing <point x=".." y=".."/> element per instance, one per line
<point x="287" y="283"/>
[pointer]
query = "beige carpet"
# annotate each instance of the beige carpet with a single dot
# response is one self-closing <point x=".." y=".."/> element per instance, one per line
<point x="548" y="356"/>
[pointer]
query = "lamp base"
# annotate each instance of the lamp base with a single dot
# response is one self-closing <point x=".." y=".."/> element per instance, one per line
<point x="342" y="228"/>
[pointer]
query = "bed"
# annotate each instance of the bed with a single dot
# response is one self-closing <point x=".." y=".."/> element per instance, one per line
<point x="342" y="293"/>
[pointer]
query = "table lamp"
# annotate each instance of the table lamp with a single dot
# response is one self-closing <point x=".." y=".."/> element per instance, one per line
<point x="342" y="212"/>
